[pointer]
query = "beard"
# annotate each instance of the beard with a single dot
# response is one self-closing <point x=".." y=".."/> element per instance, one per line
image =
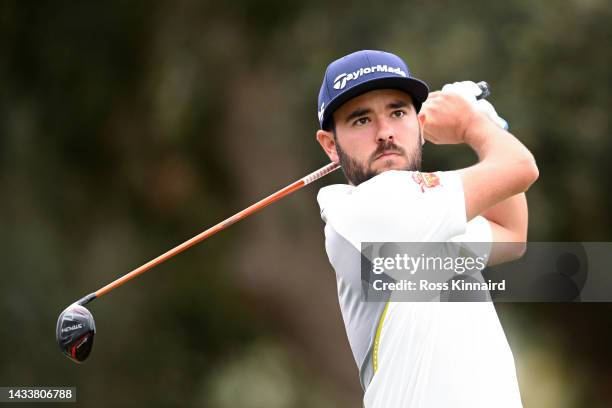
<point x="356" y="172"/>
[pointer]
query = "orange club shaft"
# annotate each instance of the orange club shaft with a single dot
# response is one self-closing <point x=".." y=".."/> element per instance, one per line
<point x="213" y="230"/>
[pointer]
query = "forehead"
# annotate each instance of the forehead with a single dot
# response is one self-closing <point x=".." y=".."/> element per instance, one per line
<point x="378" y="98"/>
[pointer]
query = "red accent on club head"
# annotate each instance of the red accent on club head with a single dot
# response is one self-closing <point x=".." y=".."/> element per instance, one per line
<point x="74" y="348"/>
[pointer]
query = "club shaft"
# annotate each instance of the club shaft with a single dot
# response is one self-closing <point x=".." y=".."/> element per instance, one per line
<point x="227" y="222"/>
<point x="213" y="230"/>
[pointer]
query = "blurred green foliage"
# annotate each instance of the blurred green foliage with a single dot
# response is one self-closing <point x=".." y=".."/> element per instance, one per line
<point x="128" y="127"/>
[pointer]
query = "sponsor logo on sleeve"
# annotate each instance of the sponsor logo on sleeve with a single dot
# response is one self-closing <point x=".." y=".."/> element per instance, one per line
<point x="426" y="180"/>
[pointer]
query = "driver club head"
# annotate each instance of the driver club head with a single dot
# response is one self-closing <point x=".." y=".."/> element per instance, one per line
<point x="75" y="332"/>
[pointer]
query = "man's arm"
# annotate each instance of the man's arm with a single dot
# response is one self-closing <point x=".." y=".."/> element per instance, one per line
<point x="508" y="221"/>
<point x="506" y="167"/>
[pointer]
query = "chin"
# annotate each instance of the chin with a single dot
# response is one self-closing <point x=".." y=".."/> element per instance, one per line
<point x="392" y="164"/>
<point x="395" y="164"/>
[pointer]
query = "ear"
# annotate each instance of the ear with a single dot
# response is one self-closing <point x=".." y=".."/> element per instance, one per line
<point x="421" y="118"/>
<point x="328" y="143"/>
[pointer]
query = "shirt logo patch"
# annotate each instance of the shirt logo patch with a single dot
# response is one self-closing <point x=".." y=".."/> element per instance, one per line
<point x="426" y="180"/>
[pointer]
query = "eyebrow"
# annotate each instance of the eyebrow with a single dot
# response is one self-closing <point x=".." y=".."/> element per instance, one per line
<point x="397" y="104"/>
<point x="364" y="111"/>
<point x="357" y="113"/>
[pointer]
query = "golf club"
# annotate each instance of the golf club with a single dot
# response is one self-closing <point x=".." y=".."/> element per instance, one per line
<point x="76" y="329"/>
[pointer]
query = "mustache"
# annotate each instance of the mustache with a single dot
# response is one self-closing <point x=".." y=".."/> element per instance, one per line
<point x="387" y="147"/>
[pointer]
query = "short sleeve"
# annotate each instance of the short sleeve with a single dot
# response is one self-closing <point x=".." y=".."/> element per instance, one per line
<point x="332" y="194"/>
<point x="478" y="237"/>
<point x="477" y="230"/>
<point x="397" y="206"/>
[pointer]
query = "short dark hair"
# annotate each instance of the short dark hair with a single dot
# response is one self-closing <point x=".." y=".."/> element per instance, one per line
<point x="330" y="126"/>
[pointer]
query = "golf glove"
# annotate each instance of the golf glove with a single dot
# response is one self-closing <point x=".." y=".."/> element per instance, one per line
<point x="470" y="91"/>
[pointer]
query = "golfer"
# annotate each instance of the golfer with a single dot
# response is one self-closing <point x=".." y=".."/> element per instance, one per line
<point x="374" y="117"/>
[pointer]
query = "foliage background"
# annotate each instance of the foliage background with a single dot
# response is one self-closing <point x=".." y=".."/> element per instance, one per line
<point x="128" y="127"/>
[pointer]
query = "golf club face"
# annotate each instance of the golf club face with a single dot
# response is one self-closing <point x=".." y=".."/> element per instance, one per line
<point x="75" y="332"/>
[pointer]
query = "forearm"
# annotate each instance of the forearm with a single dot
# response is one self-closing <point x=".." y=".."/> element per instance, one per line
<point x="498" y="149"/>
<point x="512" y="216"/>
<point x="508" y="221"/>
<point x="506" y="167"/>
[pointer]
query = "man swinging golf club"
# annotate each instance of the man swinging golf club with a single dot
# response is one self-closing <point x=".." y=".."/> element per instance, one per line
<point x="417" y="355"/>
<point x="374" y="118"/>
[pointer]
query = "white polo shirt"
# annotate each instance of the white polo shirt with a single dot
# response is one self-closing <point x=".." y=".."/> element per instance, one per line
<point x="428" y="354"/>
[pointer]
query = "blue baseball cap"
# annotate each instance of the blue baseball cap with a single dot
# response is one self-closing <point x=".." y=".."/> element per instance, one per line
<point x="365" y="71"/>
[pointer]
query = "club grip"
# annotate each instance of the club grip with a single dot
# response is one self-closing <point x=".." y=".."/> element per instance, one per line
<point x="484" y="87"/>
<point x="486" y="91"/>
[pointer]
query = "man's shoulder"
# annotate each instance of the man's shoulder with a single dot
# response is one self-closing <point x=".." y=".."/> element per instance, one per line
<point x="388" y="183"/>
<point x="333" y="192"/>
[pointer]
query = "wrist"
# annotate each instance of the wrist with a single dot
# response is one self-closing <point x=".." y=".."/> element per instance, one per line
<point x="478" y="129"/>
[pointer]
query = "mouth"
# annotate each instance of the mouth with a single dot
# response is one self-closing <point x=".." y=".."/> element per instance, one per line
<point x="387" y="154"/>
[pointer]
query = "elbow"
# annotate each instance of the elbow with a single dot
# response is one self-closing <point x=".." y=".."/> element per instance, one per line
<point x="518" y="250"/>
<point x="516" y="242"/>
<point x="509" y="251"/>
<point x="528" y="171"/>
<point x="533" y="171"/>
<point x="502" y="252"/>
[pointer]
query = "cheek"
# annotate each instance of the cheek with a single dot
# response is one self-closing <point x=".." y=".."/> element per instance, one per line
<point x="409" y="135"/>
<point x="359" y="145"/>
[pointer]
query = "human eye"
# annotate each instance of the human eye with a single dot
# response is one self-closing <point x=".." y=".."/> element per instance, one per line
<point x="398" y="113"/>
<point x="361" y="121"/>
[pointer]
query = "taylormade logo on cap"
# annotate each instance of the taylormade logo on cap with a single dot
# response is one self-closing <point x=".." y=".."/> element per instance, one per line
<point x="364" y="71"/>
<point x="342" y="79"/>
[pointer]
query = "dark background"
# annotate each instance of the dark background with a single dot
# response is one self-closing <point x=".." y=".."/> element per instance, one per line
<point x="128" y="127"/>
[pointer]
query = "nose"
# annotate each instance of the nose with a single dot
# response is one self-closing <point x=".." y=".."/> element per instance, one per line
<point x="385" y="132"/>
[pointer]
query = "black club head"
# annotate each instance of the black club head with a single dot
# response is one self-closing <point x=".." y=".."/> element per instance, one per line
<point x="75" y="332"/>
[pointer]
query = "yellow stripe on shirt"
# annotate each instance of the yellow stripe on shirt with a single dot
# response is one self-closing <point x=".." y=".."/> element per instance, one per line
<point x="377" y="338"/>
